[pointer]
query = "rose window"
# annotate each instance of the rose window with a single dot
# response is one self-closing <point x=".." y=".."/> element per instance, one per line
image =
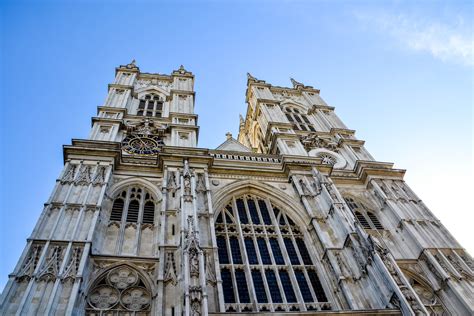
<point x="327" y="159"/>
<point x="120" y="290"/>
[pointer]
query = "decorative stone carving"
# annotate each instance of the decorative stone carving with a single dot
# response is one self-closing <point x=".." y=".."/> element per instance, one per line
<point x="122" y="278"/>
<point x="170" y="275"/>
<point x="194" y="251"/>
<point x="188" y="196"/>
<point x="121" y="289"/>
<point x="104" y="297"/>
<point x="314" y="140"/>
<point x="145" y="127"/>
<point x="72" y="267"/>
<point x="99" y="177"/>
<point x="50" y="270"/>
<point x="200" y="184"/>
<point x="143" y="83"/>
<point x="135" y="298"/>
<point x="210" y="275"/>
<point x="172" y="185"/>
<point x="29" y="267"/>
<point x="68" y="176"/>
<point x="84" y="176"/>
<point x="304" y="188"/>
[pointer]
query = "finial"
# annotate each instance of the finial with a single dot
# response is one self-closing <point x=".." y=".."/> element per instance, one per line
<point x="250" y="77"/>
<point x="241" y="118"/>
<point x="132" y="64"/>
<point x="228" y="135"/>
<point x="181" y="69"/>
<point x="296" y="83"/>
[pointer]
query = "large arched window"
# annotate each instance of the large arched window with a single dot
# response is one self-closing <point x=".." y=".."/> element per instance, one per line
<point x="133" y="217"/>
<point x="121" y="291"/>
<point x="264" y="260"/>
<point x="366" y="218"/>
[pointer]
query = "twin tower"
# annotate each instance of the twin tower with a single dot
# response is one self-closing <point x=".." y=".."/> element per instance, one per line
<point x="294" y="215"/>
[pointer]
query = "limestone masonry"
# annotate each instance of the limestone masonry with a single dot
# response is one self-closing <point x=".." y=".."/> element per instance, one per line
<point x="294" y="215"/>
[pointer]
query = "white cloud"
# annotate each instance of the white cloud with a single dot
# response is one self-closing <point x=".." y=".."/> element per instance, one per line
<point x="448" y="42"/>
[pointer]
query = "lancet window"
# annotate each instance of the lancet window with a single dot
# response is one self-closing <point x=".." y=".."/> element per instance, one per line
<point x="366" y="218"/>
<point x="260" y="245"/>
<point x="299" y="121"/>
<point x="150" y="105"/>
<point x="131" y="227"/>
<point x="133" y="205"/>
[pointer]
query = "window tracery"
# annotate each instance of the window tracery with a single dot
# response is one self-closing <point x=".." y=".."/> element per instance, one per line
<point x="151" y="105"/>
<point x="131" y="224"/>
<point x="299" y="121"/>
<point x="121" y="291"/>
<point x="259" y="243"/>
<point x="366" y="218"/>
<point x="138" y="199"/>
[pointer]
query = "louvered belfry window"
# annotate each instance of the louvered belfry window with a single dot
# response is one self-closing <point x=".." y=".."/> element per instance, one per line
<point x="135" y="205"/>
<point x="151" y="105"/>
<point x="299" y="120"/>
<point x="264" y="261"/>
<point x="366" y="218"/>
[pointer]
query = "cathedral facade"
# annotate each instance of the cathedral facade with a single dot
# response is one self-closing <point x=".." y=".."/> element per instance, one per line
<point x="294" y="216"/>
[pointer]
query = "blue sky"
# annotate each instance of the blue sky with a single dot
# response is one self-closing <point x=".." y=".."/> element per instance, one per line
<point x="400" y="73"/>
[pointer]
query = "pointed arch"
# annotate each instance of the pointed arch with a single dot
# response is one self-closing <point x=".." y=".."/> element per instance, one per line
<point x="119" y="186"/>
<point x="151" y="89"/>
<point x="259" y="227"/>
<point x="278" y="196"/>
<point x="424" y="289"/>
<point x="364" y="215"/>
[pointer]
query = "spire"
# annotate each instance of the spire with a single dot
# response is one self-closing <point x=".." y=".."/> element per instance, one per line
<point x="241" y="119"/>
<point x="250" y="77"/>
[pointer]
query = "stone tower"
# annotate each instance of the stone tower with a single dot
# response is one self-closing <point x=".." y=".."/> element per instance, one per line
<point x="294" y="215"/>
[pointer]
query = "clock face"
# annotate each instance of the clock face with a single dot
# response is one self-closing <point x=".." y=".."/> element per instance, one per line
<point x="142" y="144"/>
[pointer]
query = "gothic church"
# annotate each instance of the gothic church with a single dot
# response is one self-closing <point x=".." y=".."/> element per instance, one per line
<point x="293" y="217"/>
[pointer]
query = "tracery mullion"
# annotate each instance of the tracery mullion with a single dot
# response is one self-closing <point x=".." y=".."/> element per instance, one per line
<point x="123" y="221"/>
<point x="231" y="260"/>
<point x="140" y="220"/>
<point x="262" y="267"/>
<point x="284" y="253"/>
<point x="291" y="271"/>
<point x="246" y="265"/>
<point x="310" y="286"/>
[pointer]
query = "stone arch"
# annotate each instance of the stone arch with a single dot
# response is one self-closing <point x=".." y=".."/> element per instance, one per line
<point x="152" y="89"/>
<point x="280" y="198"/>
<point x="119" y="186"/>
<point x="276" y="245"/>
<point x="294" y="104"/>
<point x="121" y="286"/>
<point x="424" y="289"/>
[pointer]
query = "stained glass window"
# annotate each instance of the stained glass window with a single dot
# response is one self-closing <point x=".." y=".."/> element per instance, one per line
<point x="259" y="287"/>
<point x="274" y="281"/>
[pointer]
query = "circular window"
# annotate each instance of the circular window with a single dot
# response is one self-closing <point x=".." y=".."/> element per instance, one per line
<point x="329" y="157"/>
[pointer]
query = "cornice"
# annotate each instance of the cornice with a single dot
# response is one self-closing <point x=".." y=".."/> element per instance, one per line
<point x="177" y="91"/>
<point x="105" y="119"/>
<point x="110" y="109"/>
<point x="119" y="86"/>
